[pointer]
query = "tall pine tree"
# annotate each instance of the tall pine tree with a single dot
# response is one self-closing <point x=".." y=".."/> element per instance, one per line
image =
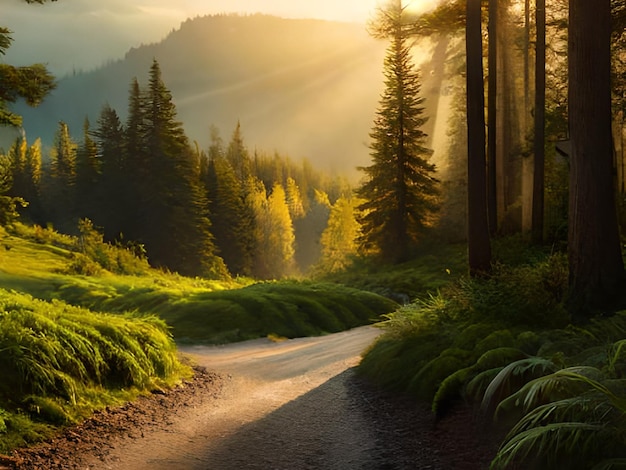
<point x="60" y="187"/>
<point x="176" y="226"/>
<point x="114" y="190"/>
<point x="227" y="210"/>
<point x="87" y="175"/>
<point x="399" y="191"/>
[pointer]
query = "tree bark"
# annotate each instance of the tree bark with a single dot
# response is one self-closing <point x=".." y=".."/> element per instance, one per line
<point x="478" y="224"/>
<point x="540" y="123"/>
<point x="492" y="98"/>
<point x="597" y="278"/>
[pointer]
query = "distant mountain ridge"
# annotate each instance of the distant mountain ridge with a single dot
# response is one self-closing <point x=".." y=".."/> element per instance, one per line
<point x="304" y="88"/>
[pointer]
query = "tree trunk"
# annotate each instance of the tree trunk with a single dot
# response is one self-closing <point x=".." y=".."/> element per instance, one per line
<point x="540" y="122"/>
<point x="597" y="278"/>
<point x="478" y="223"/>
<point x="528" y="163"/>
<point x="492" y="196"/>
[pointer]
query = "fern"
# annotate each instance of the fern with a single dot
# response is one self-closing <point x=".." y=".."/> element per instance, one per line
<point x="617" y="359"/>
<point x="512" y="378"/>
<point x="611" y="464"/>
<point x="557" y="445"/>
<point x="450" y="390"/>
<point x="562" y="384"/>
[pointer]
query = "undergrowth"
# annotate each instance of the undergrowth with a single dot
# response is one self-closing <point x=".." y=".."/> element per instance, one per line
<point x="59" y="363"/>
<point x="505" y="346"/>
<point x="435" y="266"/>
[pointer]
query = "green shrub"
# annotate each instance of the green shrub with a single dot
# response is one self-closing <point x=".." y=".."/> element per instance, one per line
<point x="285" y="308"/>
<point x="52" y="354"/>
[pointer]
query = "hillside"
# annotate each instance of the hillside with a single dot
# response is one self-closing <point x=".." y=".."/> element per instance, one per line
<point x="305" y="88"/>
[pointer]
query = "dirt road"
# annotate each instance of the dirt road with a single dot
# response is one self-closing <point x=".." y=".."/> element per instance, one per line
<point x="289" y="405"/>
<point x="284" y="405"/>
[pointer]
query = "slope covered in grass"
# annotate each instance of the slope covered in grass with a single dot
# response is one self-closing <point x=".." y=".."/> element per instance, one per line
<point x="58" y="363"/>
<point x="43" y="264"/>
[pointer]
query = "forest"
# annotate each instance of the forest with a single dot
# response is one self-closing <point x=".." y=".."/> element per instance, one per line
<point x="494" y="257"/>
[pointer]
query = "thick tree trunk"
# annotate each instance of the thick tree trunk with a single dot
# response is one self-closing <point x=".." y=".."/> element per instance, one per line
<point x="540" y="123"/>
<point x="528" y="163"/>
<point x="478" y="223"/>
<point x="492" y="196"/>
<point x="596" y="269"/>
<point x="434" y="74"/>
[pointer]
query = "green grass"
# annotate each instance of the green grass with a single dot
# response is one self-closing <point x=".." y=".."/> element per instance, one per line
<point x="78" y="333"/>
<point x="286" y="309"/>
<point x="60" y="363"/>
<point x="434" y="267"/>
<point x="199" y="310"/>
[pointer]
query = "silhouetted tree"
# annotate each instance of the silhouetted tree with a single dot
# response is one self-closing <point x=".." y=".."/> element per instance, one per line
<point x="540" y="123"/>
<point x="237" y="155"/>
<point x="114" y="190"/>
<point x="177" y="228"/>
<point x="478" y="223"/>
<point x="399" y="192"/>
<point x="596" y="268"/>
<point x="32" y="83"/>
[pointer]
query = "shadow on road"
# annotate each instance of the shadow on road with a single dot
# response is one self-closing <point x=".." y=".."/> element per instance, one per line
<point x="326" y="428"/>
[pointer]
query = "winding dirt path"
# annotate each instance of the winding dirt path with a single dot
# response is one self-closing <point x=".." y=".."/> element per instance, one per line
<point x="283" y="405"/>
<point x="289" y="405"/>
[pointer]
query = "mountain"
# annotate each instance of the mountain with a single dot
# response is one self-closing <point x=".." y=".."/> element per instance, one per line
<point x="303" y="88"/>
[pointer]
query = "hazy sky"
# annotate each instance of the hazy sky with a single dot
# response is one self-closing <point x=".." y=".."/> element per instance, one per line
<point x="82" y="34"/>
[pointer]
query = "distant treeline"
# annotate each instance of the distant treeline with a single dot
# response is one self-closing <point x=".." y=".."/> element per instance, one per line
<point x="213" y="213"/>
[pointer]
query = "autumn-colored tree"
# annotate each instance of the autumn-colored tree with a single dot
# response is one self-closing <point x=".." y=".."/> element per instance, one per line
<point x="339" y="239"/>
<point x="274" y="233"/>
<point x="294" y="199"/>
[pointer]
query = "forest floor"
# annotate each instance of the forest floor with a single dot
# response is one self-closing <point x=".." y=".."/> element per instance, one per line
<point x="263" y="405"/>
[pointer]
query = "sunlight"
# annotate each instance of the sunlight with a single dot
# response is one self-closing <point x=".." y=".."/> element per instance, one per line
<point x="419" y="6"/>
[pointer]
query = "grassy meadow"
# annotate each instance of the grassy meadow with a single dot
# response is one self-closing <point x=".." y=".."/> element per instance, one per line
<point x="85" y="325"/>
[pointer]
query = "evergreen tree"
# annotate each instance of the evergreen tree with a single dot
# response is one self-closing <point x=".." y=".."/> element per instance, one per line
<point x="137" y="162"/>
<point x="32" y="180"/>
<point x="8" y="204"/>
<point x="237" y="155"/>
<point x="31" y="83"/>
<point x="176" y="227"/>
<point x="18" y="155"/>
<point x="87" y="174"/>
<point x="114" y="190"/>
<point x="479" y="245"/>
<point x="596" y="269"/>
<point x="59" y="198"/>
<point x="400" y="192"/>
<point x="228" y="215"/>
<point x="25" y="164"/>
